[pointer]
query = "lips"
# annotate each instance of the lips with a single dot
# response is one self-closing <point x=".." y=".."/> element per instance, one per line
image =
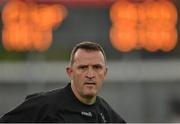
<point x="90" y="83"/>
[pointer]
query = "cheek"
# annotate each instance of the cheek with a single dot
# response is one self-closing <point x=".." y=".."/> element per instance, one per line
<point x="78" y="79"/>
<point x="78" y="76"/>
<point x="100" y="79"/>
<point x="101" y="76"/>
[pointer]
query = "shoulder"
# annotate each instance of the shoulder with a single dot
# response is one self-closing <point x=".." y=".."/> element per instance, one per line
<point x="51" y="97"/>
<point x="35" y="107"/>
<point x="44" y="95"/>
<point x="110" y="112"/>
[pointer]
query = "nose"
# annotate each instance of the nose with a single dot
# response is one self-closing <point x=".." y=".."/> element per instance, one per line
<point x="90" y="73"/>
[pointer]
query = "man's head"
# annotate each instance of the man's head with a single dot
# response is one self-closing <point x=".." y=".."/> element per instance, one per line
<point x="87" y="46"/>
<point x="87" y="70"/>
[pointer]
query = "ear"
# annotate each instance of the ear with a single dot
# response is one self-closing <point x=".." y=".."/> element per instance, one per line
<point x="69" y="71"/>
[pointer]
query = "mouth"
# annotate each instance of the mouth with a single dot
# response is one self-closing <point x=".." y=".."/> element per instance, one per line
<point x="90" y="83"/>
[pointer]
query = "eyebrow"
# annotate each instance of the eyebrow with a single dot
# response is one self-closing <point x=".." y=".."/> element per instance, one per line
<point x="91" y="65"/>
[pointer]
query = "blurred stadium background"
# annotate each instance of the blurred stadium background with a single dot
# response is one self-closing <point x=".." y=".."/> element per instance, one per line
<point x="142" y="86"/>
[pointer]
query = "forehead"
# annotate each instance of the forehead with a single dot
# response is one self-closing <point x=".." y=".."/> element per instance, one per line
<point x="88" y="57"/>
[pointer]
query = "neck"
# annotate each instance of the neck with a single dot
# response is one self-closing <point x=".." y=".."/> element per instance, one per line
<point x="84" y="99"/>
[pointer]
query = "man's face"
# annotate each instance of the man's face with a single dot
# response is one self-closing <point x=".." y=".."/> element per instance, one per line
<point x="87" y="72"/>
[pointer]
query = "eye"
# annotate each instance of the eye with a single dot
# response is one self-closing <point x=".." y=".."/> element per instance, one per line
<point x="82" y="67"/>
<point x="97" y="67"/>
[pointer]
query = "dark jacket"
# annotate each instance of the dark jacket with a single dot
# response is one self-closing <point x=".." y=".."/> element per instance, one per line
<point x="61" y="105"/>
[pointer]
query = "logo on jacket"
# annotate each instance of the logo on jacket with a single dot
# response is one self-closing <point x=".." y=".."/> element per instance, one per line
<point x="89" y="114"/>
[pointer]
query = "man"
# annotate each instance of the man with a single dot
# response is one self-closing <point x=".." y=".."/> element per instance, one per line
<point x="78" y="101"/>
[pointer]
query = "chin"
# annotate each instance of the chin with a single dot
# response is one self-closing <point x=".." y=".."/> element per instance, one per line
<point x="90" y="94"/>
